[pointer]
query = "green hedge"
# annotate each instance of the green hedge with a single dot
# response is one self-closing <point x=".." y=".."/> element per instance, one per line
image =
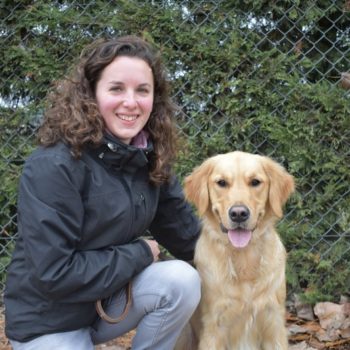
<point x="259" y="76"/>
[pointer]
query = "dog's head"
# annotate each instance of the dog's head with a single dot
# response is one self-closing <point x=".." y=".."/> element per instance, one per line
<point x="240" y="192"/>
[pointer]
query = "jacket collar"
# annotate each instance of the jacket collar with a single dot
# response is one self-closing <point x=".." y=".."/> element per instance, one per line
<point x="119" y="156"/>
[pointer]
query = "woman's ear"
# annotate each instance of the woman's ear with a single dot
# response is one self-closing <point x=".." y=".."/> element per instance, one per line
<point x="281" y="185"/>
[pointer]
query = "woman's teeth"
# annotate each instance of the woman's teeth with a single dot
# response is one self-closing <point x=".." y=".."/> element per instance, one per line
<point x="128" y="118"/>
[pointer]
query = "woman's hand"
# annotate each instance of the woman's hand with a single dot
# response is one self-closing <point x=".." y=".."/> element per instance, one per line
<point x="154" y="248"/>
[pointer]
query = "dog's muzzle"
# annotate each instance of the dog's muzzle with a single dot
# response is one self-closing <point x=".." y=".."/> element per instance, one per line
<point x="239" y="236"/>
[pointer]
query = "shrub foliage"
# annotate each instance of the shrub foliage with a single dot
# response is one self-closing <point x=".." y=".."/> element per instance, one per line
<point x="259" y="76"/>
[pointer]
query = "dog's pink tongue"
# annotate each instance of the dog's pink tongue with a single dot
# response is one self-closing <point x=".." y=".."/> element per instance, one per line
<point x="239" y="237"/>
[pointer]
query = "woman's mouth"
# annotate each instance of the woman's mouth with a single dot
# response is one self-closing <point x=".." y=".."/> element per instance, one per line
<point x="128" y="118"/>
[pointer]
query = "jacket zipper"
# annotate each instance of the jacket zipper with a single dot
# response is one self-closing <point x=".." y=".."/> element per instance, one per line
<point x="128" y="192"/>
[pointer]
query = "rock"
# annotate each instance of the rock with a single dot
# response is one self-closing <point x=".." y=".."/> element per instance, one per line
<point x="327" y="335"/>
<point x="303" y="310"/>
<point x="296" y="329"/>
<point x="330" y="315"/>
<point x="301" y="346"/>
<point x="345" y="333"/>
<point x="344" y="299"/>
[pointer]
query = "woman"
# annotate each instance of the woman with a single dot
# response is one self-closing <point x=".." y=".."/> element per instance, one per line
<point x="99" y="181"/>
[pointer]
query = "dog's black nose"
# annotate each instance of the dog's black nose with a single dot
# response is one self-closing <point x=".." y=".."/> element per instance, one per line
<point x="239" y="213"/>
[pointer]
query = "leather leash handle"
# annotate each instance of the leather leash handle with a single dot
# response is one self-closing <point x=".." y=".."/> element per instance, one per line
<point x="108" y="319"/>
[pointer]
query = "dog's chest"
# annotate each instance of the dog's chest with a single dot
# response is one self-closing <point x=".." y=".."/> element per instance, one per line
<point x="243" y="267"/>
<point x="245" y="344"/>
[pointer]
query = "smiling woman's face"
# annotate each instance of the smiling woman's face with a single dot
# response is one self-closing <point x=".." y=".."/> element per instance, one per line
<point x="124" y="95"/>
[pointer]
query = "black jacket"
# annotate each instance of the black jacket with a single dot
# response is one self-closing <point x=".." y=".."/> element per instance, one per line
<point x="79" y="225"/>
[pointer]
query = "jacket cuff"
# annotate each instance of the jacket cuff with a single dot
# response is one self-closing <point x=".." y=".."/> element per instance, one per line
<point x="147" y="250"/>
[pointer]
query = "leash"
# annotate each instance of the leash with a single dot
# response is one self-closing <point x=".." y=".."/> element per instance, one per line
<point x="101" y="312"/>
<point x="108" y="319"/>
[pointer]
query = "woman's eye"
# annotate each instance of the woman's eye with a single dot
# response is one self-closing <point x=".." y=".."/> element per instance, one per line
<point x="221" y="183"/>
<point x="255" y="182"/>
<point x="116" y="89"/>
<point x="143" y="91"/>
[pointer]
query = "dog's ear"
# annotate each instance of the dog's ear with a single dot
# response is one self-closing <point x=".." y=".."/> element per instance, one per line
<point x="281" y="185"/>
<point x="196" y="186"/>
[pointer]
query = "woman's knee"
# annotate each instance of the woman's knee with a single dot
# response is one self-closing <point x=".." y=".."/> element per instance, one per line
<point x="172" y="282"/>
<point x="183" y="282"/>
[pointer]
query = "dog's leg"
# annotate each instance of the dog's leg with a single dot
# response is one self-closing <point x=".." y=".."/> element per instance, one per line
<point x="279" y="343"/>
<point x="212" y="341"/>
<point x="274" y="333"/>
<point x="215" y="336"/>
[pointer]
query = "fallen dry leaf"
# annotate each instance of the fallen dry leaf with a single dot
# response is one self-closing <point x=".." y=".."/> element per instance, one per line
<point x="345" y="80"/>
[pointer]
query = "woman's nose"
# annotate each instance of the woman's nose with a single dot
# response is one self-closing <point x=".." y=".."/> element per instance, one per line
<point x="130" y="99"/>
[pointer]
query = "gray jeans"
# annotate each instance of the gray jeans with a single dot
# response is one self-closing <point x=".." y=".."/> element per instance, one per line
<point x="164" y="296"/>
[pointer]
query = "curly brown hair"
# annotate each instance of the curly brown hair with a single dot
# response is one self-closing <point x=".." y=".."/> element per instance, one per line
<point x="73" y="116"/>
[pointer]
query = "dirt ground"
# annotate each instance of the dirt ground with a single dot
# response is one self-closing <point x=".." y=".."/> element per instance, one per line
<point x="124" y="343"/>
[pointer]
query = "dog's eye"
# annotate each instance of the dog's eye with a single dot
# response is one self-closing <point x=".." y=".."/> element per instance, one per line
<point x="255" y="182"/>
<point x="221" y="183"/>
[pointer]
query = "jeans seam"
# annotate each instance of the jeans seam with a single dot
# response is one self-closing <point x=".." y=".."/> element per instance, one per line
<point x="164" y="319"/>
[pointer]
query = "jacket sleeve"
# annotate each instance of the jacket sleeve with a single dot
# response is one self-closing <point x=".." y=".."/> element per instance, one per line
<point x="175" y="226"/>
<point x="51" y="221"/>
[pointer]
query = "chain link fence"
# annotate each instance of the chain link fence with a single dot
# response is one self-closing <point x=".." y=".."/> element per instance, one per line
<point x="222" y="56"/>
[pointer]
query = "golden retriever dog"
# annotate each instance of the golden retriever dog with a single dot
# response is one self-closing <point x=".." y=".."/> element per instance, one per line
<point x="239" y="255"/>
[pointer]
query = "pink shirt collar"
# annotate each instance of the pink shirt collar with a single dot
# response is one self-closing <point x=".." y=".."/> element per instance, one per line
<point x="141" y="139"/>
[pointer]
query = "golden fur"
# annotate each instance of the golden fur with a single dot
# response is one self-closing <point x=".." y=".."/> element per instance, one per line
<point x="243" y="288"/>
